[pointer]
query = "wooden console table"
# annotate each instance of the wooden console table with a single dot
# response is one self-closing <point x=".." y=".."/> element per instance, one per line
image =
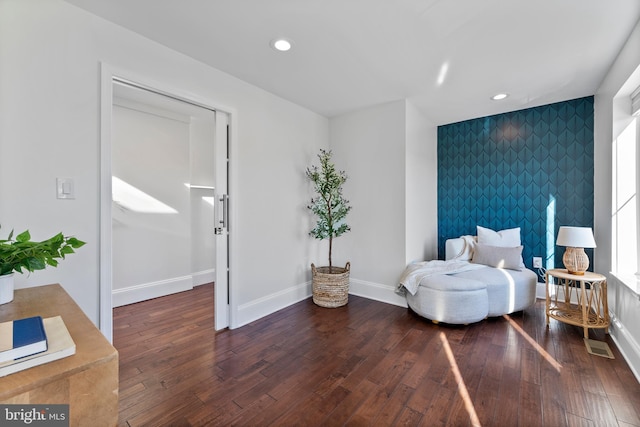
<point x="86" y="381"/>
<point x="590" y="290"/>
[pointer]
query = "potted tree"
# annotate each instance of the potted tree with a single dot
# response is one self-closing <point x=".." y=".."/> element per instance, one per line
<point x="330" y="283"/>
<point x="21" y="254"/>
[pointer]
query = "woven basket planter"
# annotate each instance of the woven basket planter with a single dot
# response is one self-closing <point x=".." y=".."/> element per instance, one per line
<point x="331" y="289"/>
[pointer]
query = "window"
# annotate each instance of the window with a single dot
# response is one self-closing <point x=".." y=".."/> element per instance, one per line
<point x="624" y="220"/>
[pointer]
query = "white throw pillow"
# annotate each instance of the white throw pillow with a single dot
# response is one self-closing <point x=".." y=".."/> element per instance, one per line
<point x="498" y="256"/>
<point x="509" y="238"/>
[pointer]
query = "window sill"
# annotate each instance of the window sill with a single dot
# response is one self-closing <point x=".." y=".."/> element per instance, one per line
<point x="632" y="282"/>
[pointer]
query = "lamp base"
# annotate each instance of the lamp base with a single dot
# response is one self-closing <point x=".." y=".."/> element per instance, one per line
<point x="575" y="261"/>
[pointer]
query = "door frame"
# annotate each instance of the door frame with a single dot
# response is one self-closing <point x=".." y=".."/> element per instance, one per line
<point x="107" y="74"/>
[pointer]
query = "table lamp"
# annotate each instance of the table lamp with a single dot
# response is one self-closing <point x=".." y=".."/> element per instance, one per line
<point x="575" y="239"/>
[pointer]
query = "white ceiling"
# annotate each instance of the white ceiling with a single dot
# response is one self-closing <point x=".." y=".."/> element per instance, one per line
<point x="350" y="54"/>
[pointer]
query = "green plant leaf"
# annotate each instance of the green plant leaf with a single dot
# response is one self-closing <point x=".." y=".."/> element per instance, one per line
<point x="66" y="250"/>
<point x="75" y="243"/>
<point x="23" y="254"/>
<point x="23" y="237"/>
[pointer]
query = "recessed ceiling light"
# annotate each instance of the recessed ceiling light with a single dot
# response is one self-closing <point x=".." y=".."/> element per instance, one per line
<point x="281" y="45"/>
<point x="499" y="96"/>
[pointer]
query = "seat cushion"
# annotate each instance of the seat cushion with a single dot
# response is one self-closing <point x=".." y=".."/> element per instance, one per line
<point x="452" y="283"/>
<point x="508" y="290"/>
<point x="450" y="300"/>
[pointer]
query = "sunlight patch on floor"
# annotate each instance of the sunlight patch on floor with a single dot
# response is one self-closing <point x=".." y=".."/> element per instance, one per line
<point x="462" y="388"/>
<point x="553" y="362"/>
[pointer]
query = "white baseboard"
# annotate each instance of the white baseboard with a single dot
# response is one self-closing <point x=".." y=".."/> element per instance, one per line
<point x="627" y="345"/>
<point x="145" y="291"/>
<point x="265" y="306"/>
<point x="377" y="292"/>
<point x="203" y="277"/>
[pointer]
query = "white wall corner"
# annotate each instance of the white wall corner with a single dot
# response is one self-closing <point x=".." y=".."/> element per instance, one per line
<point x="627" y="345"/>
<point x="265" y="306"/>
<point x="203" y="277"/>
<point x="377" y="292"/>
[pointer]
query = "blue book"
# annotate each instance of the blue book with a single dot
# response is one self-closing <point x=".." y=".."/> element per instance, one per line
<point x="22" y="338"/>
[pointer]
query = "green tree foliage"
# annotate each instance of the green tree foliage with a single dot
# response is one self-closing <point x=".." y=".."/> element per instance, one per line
<point x="23" y="254"/>
<point x="329" y="205"/>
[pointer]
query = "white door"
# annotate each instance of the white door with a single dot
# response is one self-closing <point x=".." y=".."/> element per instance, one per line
<point x="222" y="221"/>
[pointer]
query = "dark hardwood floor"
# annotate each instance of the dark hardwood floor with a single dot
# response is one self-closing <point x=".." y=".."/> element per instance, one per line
<point x="367" y="363"/>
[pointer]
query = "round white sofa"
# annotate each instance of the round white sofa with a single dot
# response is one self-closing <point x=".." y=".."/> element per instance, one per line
<point x="471" y="296"/>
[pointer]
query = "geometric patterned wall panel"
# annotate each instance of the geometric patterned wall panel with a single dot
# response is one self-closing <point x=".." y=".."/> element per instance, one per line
<point x="531" y="169"/>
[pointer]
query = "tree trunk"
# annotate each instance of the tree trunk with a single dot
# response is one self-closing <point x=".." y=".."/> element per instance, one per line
<point x="330" y="247"/>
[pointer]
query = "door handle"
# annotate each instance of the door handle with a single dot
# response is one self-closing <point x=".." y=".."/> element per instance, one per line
<point x="222" y="211"/>
<point x="225" y="211"/>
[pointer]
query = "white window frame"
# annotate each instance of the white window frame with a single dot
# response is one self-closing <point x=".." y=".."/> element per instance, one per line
<point x="630" y="279"/>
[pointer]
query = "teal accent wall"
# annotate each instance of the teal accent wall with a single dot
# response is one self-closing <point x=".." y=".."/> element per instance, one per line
<point x="531" y="169"/>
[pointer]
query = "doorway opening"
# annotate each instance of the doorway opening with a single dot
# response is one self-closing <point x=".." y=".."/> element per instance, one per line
<point x="164" y="202"/>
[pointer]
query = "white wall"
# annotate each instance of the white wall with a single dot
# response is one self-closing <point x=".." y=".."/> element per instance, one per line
<point x="203" y="250"/>
<point x="624" y="305"/>
<point x="50" y="55"/>
<point x="373" y="146"/>
<point x="370" y="145"/>
<point x="421" y="189"/>
<point x="149" y="247"/>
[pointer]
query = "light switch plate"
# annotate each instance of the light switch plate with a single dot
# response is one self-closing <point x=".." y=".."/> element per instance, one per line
<point x="65" y="188"/>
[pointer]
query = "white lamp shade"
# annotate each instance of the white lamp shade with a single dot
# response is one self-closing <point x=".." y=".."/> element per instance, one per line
<point x="576" y="237"/>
